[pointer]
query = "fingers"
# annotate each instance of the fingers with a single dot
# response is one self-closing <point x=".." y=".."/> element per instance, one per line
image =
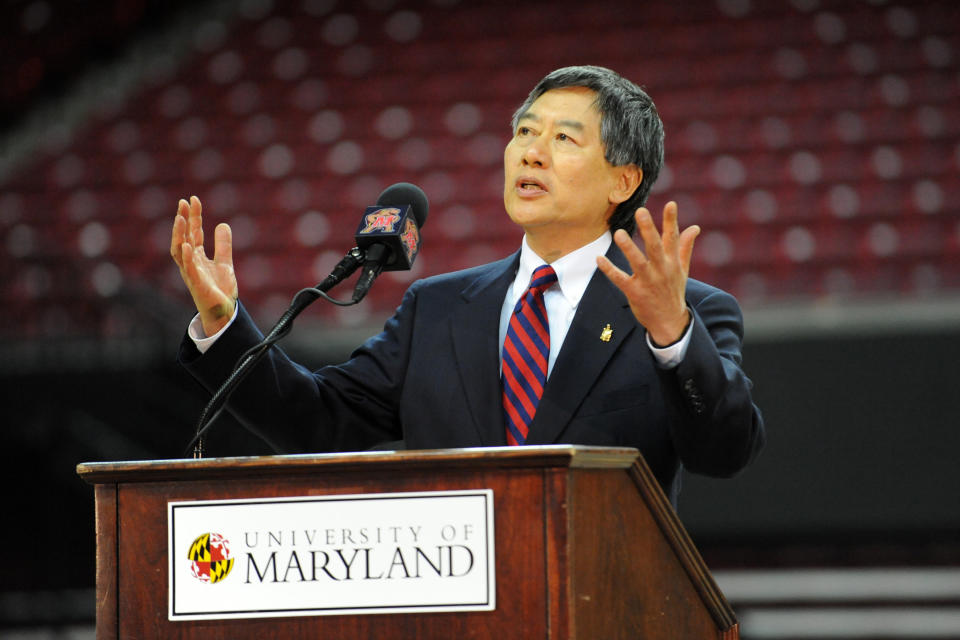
<point x="671" y="228"/>
<point x="630" y="250"/>
<point x="685" y="250"/>
<point x="187" y="254"/>
<point x="200" y="280"/>
<point x="190" y="271"/>
<point x="614" y="273"/>
<point x="650" y="235"/>
<point x="671" y="243"/>
<point x="187" y="228"/>
<point x="223" y="244"/>
<point x="179" y="233"/>
<point x="662" y="255"/>
<point x="195" y="223"/>
<point x="200" y="283"/>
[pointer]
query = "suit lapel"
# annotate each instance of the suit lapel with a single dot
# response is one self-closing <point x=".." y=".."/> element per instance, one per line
<point x="475" y="330"/>
<point x="584" y="354"/>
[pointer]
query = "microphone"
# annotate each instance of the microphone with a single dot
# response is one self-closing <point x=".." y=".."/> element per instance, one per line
<point x="389" y="233"/>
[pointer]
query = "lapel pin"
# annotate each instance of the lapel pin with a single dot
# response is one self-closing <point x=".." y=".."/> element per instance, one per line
<point x="606" y="334"/>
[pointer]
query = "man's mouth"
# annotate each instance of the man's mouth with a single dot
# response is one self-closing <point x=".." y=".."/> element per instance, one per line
<point x="529" y="185"/>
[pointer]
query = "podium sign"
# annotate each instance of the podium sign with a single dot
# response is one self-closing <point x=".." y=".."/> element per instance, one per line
<point x="411" y="552"/>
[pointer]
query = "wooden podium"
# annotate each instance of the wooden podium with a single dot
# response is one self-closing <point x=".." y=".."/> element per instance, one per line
<point x="587" y="545"/>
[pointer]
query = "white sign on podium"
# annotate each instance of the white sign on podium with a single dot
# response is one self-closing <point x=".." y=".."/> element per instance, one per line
<point x="331" y="555"/>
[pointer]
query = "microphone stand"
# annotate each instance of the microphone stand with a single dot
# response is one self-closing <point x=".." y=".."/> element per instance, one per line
<point x="304" y="298"/>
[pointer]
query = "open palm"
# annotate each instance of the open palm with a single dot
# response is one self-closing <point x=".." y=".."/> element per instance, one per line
<point x="212" y="283"/>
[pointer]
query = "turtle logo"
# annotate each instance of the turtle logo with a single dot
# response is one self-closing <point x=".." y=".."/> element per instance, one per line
<point x="210" y="559"/>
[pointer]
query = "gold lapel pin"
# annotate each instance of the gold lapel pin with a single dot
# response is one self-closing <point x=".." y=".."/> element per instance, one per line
<point x="606" y="334"/>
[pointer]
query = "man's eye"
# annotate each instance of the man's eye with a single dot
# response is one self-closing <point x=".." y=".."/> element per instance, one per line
<point x="522" y="131"/>
<point x="562" y="136"/>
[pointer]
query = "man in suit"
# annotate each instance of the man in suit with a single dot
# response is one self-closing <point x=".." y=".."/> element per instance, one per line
<point x="635" y="354"/>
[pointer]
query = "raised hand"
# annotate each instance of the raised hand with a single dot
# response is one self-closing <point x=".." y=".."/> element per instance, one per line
<point x="657" y="287"/>
<point x="212" y="283"/>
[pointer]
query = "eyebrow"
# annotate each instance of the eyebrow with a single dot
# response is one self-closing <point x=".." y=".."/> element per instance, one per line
<point x="570" y="124"/>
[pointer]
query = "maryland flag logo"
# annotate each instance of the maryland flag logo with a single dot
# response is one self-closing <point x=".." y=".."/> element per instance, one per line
<point x="410" y="239"/>
<point x="210" y="558"/>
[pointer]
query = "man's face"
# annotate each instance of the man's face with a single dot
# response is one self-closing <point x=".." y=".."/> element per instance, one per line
<point x="556" y="179"/>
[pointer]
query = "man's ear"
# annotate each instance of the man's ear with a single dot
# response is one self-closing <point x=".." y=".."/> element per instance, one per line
<point x="629" y="178"/>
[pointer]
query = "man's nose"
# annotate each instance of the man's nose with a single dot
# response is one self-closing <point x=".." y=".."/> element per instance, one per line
<point x="536" y="154"/>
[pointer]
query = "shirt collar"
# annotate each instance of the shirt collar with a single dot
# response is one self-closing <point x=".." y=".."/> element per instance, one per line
<point x="573" y="270"/>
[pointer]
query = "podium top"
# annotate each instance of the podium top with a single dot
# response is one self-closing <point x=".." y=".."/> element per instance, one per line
<point x="571" y="456"/>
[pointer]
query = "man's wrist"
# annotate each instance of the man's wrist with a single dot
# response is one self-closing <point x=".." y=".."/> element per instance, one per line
<point x="673" y="354"/>
<point x="216" y="319"/>
<point x="201" y="338"/>
<point x="668" y="338"/>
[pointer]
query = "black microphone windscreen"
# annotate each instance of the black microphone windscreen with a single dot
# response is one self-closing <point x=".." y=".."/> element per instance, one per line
<point x="404" y="193"/>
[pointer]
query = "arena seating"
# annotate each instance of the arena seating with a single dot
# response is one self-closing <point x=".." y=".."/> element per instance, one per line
<point x="816" y="143"/>
<point x="45" y="44"/>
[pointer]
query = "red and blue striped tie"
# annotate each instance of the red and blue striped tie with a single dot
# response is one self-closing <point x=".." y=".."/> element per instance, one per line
<point x="525" y="353"/>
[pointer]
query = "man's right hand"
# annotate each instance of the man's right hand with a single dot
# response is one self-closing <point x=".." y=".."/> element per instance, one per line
<point x="212" y="283"/>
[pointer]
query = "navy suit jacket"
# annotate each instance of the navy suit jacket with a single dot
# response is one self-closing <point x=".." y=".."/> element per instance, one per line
<point x="432" y="379"/>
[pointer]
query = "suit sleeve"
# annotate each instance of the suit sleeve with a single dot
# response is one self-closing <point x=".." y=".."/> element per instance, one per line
<point x="346" y="407"/>
<point x="715" y="426"/>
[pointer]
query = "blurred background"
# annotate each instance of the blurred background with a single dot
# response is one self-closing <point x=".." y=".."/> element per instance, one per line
<point x="817" y="142"/>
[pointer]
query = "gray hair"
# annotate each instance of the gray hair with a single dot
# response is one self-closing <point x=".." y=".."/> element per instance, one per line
<point x="630" y="128"/>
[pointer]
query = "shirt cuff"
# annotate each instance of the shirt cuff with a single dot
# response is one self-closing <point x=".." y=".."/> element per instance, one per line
<point x="200" y="339"/>
<point x="670" y="356"/>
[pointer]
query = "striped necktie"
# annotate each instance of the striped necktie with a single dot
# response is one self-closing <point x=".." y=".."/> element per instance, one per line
<point x="525" y="353"/>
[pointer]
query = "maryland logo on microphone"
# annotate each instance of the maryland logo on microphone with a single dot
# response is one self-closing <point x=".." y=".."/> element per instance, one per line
<point x="381" y="221"/>
<point x="210" y="558"/>
<point x="392" y="227"/>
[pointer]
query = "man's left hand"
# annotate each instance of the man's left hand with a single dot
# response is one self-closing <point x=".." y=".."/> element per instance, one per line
<point x="656" y="290"/>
